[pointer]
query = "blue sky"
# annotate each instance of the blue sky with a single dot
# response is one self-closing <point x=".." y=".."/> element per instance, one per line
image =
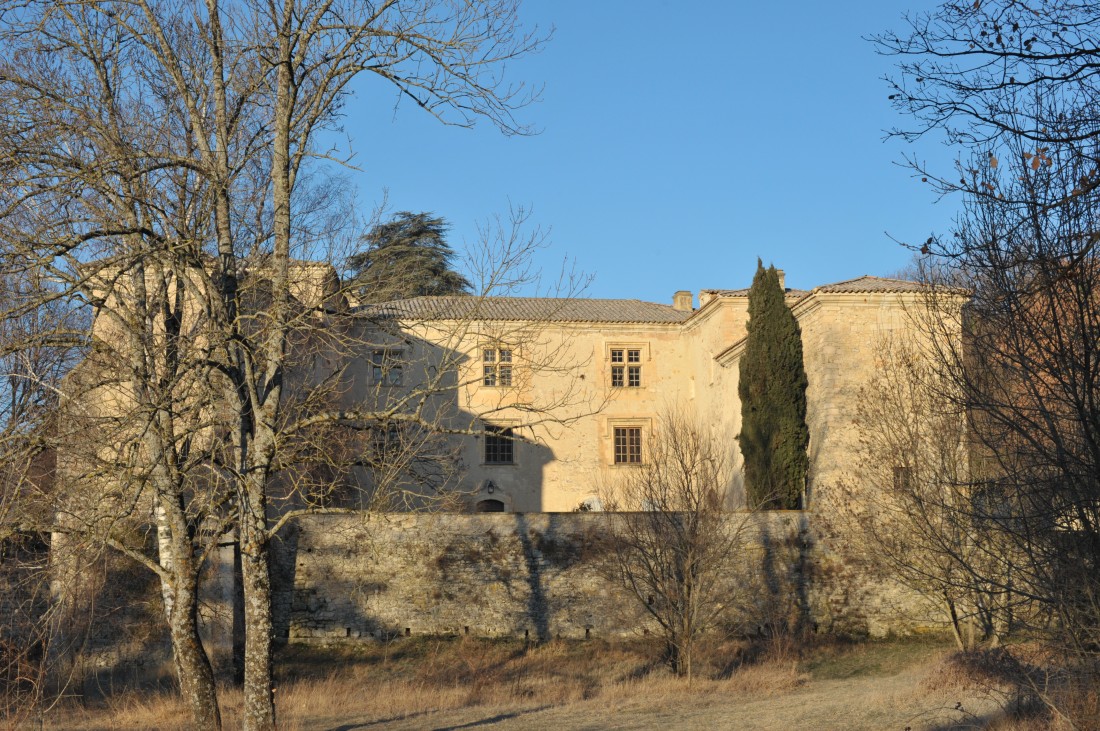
<point x="679" y="142"/>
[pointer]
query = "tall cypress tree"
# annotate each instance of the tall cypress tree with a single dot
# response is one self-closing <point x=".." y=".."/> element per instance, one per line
<point x="772" y="388"/>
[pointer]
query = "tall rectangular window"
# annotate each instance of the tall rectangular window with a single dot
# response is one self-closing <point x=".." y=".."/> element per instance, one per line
<point x="499" y="445"/>
<point x="626" y="368"/>
<point x="496" y="364"/>
<point x="628" y="445"/>
<point x="386" y="367"/>
<point x="385" y="439"/>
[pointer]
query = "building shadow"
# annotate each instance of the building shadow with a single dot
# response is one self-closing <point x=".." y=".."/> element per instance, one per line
<point x="786" y="574"/>
<point x="547" y="555"/>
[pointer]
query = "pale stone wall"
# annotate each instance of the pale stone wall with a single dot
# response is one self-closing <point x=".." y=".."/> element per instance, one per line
<point x="488" y="575"/>
<point x="539" y="575"/>
<point x="841" y="335"/>
<point x="561" y="402"/>
<point x="564" y="408"/>
<point x="527" y="572"/>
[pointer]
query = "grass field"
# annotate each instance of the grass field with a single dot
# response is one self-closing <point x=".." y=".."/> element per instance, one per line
<point x="451" y="683"/>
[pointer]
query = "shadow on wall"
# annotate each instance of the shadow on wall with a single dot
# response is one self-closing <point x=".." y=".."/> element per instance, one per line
<point x="543" y="575"/>
<point x="284" y="564"/>
<point x="111" y="630"/>
<point x="541" y="566"/>
<point x="335" y="603"/>
<point x="785" y="575"/>
<point x="528" y="576"/>
<point x="424" y="473"/>
<point x="536" y="576"/>
<point x="443" y="386"/>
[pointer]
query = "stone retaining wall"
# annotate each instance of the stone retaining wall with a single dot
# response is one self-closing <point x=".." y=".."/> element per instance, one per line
<point x="544" y="575"/>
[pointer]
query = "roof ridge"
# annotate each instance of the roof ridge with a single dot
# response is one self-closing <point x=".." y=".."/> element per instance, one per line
<point x="559" y="309"/>
<point x="849" y="281"/>
<point x="525" y="297"/>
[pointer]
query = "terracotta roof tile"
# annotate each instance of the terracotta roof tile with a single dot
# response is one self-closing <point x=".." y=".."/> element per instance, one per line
<point x="547" y="309"/>
<point x="790" y="293"/>
<point x="553" y="309"/>
<point x="867" y="283"/>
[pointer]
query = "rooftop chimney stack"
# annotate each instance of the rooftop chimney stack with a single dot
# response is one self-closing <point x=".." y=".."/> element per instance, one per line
<point x="782" y="279"/>
<point x="682" y="301"/>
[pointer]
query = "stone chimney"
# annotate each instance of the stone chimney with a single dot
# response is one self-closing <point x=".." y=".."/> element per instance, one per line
<point x="782" y="279"/>
<point x="682" y="301"/>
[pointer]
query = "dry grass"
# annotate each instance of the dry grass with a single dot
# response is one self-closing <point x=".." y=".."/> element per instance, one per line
<point x="767" y="678"/>
<point x="409" y="678"/>
<point x="1036" y="689"/>
<point x="439" y="682"/>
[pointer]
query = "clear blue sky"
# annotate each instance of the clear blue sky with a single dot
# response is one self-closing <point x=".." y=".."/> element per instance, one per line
<point x="679" y="142"/>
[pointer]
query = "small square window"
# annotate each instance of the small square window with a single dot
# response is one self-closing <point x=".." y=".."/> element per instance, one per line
<point x="385" y="439"/>
<point x="616" y="356"/>
<point x="628" y="445"/>
<point x="386" y="367"/>
<point x="499" y="445"/>
<point x="633" y="356"/>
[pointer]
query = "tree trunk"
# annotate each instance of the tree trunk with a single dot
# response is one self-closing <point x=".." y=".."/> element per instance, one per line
<point x="956" y="632"/>
<point x="258" y="443"/>
<point x="179" y="589"/>
<point x="196" y="676"/>
<point x="259" y="699"/>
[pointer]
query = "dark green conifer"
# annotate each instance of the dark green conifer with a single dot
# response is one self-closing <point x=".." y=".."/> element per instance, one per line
<point x="772" y="388"/>
<point x="407" y="256"/>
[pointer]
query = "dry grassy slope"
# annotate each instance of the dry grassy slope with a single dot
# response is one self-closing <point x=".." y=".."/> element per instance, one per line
<point x="882" y="686"/>
<point x="854" y="703"/>
<point x="505" y="685"/>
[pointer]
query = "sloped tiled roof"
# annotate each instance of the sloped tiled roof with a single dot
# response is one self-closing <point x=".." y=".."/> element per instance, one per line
<point x="867" y="283"/>
<point x="544" y="309"/>
<point x="790" y="293"/>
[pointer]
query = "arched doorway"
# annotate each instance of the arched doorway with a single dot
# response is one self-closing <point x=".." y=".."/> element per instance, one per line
<point x="489" y="506"/>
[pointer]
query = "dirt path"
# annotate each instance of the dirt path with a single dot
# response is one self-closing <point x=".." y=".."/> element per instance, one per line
<point x="897" y="701"/>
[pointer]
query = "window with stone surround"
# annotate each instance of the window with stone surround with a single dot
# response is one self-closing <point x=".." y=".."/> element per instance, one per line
<point x="903" y="478"/>
<point x="627" y="444"/>
<point x="386" y="367"/>
<point x="385" y="439"/>
<point x="496" y="364"/>
<point x="626" y="367"/>
<point x="500" y="445"/>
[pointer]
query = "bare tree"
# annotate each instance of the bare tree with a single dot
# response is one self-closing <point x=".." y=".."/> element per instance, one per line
<point x="1024" y="374"/>
<point x="40" y="341"/>
<point x="673" y="542"/>
<point x="446" y="58"/>
<point x="1014" y="86"/>
<point x="160" y="176"/>
<point x="907" y="514"/>
<point x="999" y="72"/>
